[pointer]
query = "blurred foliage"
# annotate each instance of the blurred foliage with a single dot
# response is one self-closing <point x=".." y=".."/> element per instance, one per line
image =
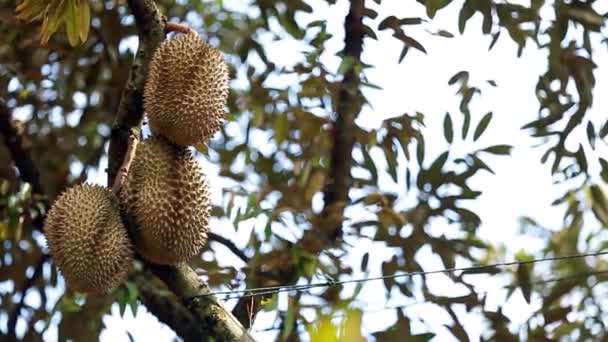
<point x="274" y="159"/>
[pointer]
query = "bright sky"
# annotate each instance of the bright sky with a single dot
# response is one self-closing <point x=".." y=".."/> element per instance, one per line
<point x="521" y="187"/>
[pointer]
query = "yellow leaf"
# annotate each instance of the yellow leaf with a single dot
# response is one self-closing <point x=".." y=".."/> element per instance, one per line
<point x="71" y="22"/>
<point x="31" y="10"/>
<point x="4" y="232"/>
<point x="84" y="18"/>
<point x="315" y="184"/>
<point x="281" y="127"/>
<point x="324" y="331"/>
<point x="351" y="327"/>
<point x="54" y="17"/>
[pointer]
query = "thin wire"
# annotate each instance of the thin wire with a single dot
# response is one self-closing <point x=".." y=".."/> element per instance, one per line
<point x="260" y="291"/>
<point x="480" y="293"/>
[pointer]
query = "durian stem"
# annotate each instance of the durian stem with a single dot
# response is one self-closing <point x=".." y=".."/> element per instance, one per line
<point x="175" y="27"/>
<point x="123" y="172"/>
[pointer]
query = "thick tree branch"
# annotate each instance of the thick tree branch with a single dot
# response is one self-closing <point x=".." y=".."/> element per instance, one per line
<point x="208" y="310"/>
<point x="212" y="318"/>
<point x="167" y="309"/>
<point x="28" y="171"/>
<point x="348" y="105"/>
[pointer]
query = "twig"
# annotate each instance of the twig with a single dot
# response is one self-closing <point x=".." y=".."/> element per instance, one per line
<point x="29" y="282"/>
<point x="175" y="27"/>
<point x="123" y="172"/>
<point x="230" y="245"/>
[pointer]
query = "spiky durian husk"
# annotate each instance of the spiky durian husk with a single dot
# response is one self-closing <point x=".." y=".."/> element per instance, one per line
<point x="186" y="90"/>
<point x="167" y="194"/>
<point x="87" y="239"/>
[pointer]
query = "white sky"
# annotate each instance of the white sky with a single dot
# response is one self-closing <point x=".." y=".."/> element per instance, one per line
<point x="521" y="186"/>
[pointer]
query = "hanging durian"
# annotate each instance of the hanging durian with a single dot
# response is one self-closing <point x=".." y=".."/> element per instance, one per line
<point x="167" y="194"/>
<point x="87" y="239"/>
<point x="186" y="90"/>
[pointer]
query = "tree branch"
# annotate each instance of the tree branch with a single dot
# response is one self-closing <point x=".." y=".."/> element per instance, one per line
<point x="28" y="171"/>
<point x="167" y="309"/>
<point x="151" y="27"/>
<point x="29" y="282"/>
<point x="207" y="309"/>
<point x="230" y="245"/>
<point x="348" y="105"/>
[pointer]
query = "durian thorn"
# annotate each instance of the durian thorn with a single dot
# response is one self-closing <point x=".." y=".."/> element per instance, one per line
<point x="121" y="176"/>
<point x="175" y="27"/>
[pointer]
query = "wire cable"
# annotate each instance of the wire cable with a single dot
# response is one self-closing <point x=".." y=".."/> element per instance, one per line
<point x="486" y="292"/>
<point x="261" y="291"/>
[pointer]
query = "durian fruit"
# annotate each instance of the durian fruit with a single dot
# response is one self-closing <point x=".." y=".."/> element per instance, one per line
<point x="186" y="90"/>
<point x="87" y="239"/>
<point x="167" y="194"/>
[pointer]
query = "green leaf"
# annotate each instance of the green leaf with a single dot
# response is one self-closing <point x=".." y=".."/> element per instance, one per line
<point x="448" y="129"/>
<point x="369" y="32"/>
<point x="270" y="303"/>
<point x="132" y="297"/>
<point x="557" y="314"/>
<point x="280" y="128"/>
<point x="483" y="124"/>
<point x="369" y="164"/>
<point x="494" y="40"/>
<point x="461" y="75"/>
<point x="466" y="124"/>
<point x="498" y="149"/>
<point x="604" y="171"/>
<point x="411" y="42"/>
<point x="524" y="282"/>
<point x="437" y="165"/>
<point x="370" y="13"/>
<point x="420" y="150"/>
<point x="411" y="21"/>
<point x="445" y="34"/>
<point x="290" y="318"/>
<point x="364" y="261"/>
<point x="68" y="304"/>
<point x="466" y="12"/>
<point x="346" y="65"/>
<point x="404" y="51"/>
<point x="604" y="130"/>
<point x="122" y="300"/>
<point x="591" y="134"/>
<point x="432" y="6"/>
